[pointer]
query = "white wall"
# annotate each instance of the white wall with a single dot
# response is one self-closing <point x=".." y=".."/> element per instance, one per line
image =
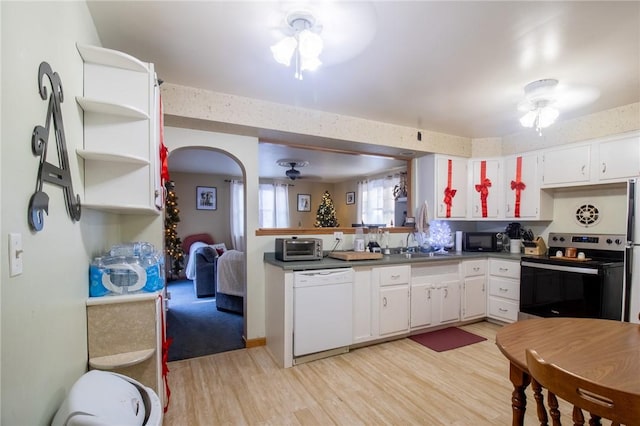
<point x="243" y="149"/>
<point x="43" y="318"/>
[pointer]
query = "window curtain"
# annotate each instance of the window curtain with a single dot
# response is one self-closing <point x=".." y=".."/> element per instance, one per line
<point x="375" y="203"/>
<point x="236" y="214"/>
<point x="273" y="205"/>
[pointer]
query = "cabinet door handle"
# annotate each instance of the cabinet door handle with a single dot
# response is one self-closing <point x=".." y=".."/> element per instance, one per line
<point x="604" y="167"/>
<point x="582" y="169"/>
<point x="503" y="269"/>
<point x="503" y="310"/>
<point x="483" y="287"/>
<point x="446" y="292"/>
<point x="395" y="277"/>
<point x="429" y="294"/>
<point x="477" y="209"/>
<point x="476" y="268"/>
<point x="508" y="208"/>
<point x="504" y="290"/>
<point x="384" y="301"/>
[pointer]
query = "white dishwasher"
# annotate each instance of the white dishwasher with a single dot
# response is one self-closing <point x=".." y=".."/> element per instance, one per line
<point x="322" y="310"/>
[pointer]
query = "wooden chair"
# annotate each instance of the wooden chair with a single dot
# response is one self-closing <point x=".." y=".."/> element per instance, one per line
<point x="600" y="401"/>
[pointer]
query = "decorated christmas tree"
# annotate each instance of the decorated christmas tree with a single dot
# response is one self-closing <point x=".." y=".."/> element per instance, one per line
<point x="440" y="236"/>
<point x="326" y="215"/>
<point x="172" y="243"/>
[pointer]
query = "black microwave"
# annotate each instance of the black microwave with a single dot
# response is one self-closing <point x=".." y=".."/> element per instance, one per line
<point x="483" y="241"/>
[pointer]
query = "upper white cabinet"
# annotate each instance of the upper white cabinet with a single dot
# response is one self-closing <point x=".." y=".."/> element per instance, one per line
<point x="485" y="188"/>
<point x="523" y="197"/>
<point x="607" y="160"/>
<point x="568" y="165"/>
<point x="619" y="158"/>
<point x="121" y="132"/>
<point x="443" y="183"/>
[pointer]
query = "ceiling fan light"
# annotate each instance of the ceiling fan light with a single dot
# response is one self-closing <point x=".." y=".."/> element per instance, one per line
<point x="310" y="44"/>
<point x="528" y="119"/>
<point x="547" y="116"/>
<point x="283" y="50"/>
<point x="309" y="64"/>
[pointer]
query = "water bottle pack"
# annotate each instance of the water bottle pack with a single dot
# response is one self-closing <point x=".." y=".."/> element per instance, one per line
<point x="127" y="268"/>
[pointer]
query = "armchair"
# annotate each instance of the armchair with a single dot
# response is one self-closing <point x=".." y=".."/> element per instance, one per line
<point x="206" y="263"/>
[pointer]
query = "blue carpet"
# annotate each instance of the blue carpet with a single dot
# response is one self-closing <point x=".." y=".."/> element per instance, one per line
<point x="197" y="327"/>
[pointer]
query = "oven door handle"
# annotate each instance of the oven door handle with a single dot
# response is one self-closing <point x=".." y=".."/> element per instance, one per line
<point x="560" y="268"/>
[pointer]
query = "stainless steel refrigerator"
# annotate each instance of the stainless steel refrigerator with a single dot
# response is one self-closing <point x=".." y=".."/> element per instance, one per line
<point x="632" y="254"/>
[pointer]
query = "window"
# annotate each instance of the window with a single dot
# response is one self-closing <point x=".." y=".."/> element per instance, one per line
<point x="375" y="202"/>
<point x="273" y="205"/>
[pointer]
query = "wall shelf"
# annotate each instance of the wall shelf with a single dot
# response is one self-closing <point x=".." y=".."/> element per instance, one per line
<point x="122" y="209"/>
<point x="112" y="362"/>
<point x="112" y="58"/>
<point x="101" y="107"/>
<point x="109" y="156"/>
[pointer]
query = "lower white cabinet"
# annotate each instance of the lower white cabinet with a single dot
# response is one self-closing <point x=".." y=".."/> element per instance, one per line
<point x="474" y="294"/>
<point x="393" y="299"/>
<point x="504" y="290"/>
<point x="362" y="305"/>
<point x="435" y="294"/>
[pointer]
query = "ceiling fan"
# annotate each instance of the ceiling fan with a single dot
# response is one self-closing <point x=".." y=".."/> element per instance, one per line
<point x="544" y="99"/>
<point x="292" y="173"/>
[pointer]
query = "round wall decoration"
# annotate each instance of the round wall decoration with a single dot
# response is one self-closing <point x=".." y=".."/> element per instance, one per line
<point x="587" y="215"/>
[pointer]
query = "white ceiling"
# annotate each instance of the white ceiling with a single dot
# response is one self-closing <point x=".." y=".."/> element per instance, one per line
<point x="452" y="67"/>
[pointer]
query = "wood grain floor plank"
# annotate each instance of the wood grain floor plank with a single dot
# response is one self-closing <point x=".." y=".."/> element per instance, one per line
<point x="394" y="383"/>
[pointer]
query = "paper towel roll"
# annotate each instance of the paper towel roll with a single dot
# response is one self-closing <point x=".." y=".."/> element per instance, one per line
<point x="458" y="241"/>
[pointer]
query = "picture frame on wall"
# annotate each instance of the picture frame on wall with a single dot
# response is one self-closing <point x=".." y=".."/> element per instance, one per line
<point x="351" y="197"/>
<point x="206" y="198"/>
<point x="304" y="202"/>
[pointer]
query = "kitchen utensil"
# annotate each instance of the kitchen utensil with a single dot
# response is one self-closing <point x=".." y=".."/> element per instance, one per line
<point x="514" y="230"/>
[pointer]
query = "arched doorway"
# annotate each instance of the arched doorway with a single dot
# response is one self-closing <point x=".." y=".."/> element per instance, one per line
<point x="207" y="305"/>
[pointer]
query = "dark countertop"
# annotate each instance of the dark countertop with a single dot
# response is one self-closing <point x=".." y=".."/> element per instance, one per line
<point x="387" y="260"/>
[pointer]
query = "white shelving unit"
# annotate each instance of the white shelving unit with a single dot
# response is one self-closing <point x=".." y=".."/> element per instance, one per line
<point x="121" y="131"/>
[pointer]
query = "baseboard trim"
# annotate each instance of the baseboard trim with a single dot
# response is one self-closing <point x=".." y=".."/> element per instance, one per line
<point x="252" y="343"/>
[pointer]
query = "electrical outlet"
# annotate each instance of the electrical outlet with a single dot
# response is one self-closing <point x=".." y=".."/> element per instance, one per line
<point x="338" y="236"/>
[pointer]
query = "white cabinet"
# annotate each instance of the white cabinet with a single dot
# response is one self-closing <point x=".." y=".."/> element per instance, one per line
<point x="121" y="133"/>
<point x="606" y="160"/>
<point x="569" y="165"/>
<point x="486" y="188"/>
<point x="435" y="294"/>
<point x="362" y="305"/>
<point x="442" y="181"/>
<point x="523" y="197"/>
<point x="125" y="335"/>
<point x="618" y="158"/>
<point x="474" y="296"/>
<point x="393" y="299"/>
<point x="504" y="290"/>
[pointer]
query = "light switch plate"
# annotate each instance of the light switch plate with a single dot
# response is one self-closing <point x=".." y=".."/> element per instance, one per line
<point x="15" y="254"/>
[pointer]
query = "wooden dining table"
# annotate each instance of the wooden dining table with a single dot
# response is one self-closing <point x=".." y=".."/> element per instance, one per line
<point x="604" y="351"/>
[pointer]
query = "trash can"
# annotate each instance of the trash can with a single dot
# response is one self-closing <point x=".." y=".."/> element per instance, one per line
<point x="105" y="398"/>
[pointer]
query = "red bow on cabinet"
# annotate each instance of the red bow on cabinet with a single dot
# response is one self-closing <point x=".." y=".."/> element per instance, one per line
<point x="483" y="189"/>
<point x="449" y="192"/>
<point x="518" y="185"/>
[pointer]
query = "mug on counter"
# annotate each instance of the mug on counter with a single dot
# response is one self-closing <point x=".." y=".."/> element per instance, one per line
<point x="559" y="253"/>
<point x="570" y="252"/>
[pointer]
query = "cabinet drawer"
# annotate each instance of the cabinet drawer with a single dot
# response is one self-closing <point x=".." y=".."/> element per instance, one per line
<point x="503" y="309"/>
<point x="506" y="288"/>
<point x="471" y="268"/>
<point x="395" y="275"/>
<point x="504" y="268"/>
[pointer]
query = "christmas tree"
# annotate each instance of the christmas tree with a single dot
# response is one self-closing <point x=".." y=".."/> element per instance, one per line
<point x="172" y="243"/>
<point x="440" y="236"/>
<point x="326" y="215"/>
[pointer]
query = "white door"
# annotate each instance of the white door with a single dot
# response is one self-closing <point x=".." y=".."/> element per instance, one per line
<point x="420" y="305"/>
<point x="485" y="189"/>
<point x="394" y="309"/>
<point x="451" y="184"/>
<point x="522" y="188"/>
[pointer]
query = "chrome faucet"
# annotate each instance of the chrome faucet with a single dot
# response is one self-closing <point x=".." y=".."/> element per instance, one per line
<point x="409" y="235"/>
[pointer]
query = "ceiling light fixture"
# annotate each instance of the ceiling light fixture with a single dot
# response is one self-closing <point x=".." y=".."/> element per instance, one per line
<point x="304" y="45"/>
<point x="538" y="104"/>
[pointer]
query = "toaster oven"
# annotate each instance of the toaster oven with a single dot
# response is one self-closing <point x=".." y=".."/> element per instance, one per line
<point x="292" y="249"/>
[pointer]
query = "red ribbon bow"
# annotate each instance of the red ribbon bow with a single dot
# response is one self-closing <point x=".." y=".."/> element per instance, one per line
<point x="483" y="189"/>
<point x="448" y="198"/>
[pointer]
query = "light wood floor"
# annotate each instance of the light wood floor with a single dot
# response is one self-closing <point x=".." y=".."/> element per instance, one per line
<point x="399" y="383"/>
